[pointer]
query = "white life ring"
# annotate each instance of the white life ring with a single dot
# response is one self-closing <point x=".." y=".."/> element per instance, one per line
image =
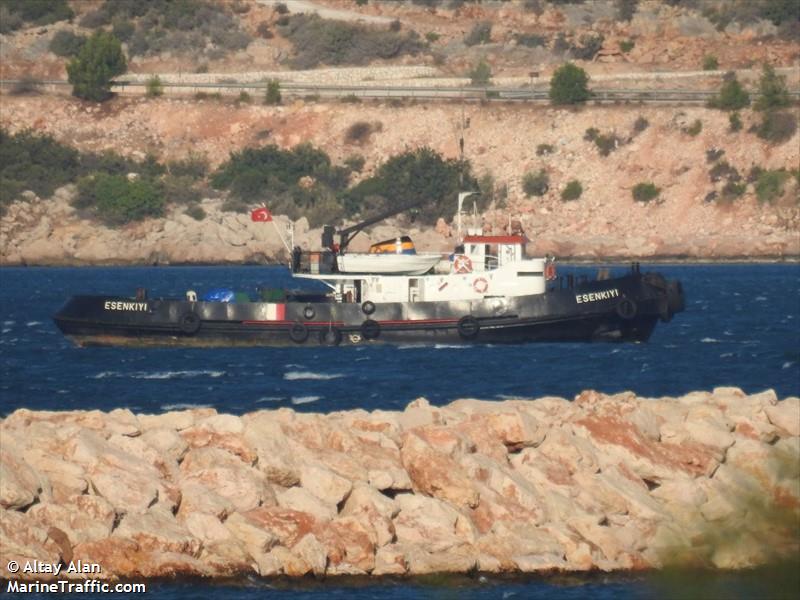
<point x="462" y="264"/>
<point x="480" y="285"/>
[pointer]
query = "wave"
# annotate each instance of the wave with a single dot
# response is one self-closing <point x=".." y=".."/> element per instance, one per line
<point x="305" y="399"/>
<point x="269" y="399"/>
<point x="709" y="340"/>
<point x="33" y="323"/>
<point x="9" y="323"/>
<point x="6" y="329"/>
<point x="787" y="364"/>
<point x="160" y="374"/>
<point x="183" y="406"/>
<point x="295" y="375"/>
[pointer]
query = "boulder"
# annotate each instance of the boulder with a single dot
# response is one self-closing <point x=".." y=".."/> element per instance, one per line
<point x="785" y="415"/>
<point x="158" y="530"/>
<point x="436" y="474"/>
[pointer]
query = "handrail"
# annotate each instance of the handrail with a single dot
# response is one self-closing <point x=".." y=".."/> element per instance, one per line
<point x="418" y="92"/>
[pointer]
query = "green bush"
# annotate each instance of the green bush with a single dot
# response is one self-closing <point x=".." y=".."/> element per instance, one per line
<point x="769" y="186"/>
<point x="319" y="41"/>
<point x="355" y="163"/>
<point x="432" y="36"/>
<point x="34" y="162"/>
<point x="116" y="200"/>
<point x="569" y="85"/>
<point x="244" y="98"/>
<point x="710" y="63"/>
<point x="98" y="61"/>
<point x="626" y="45"/>
<point x="358" y="132"/>
<point x="777" y="126"/>
<point x="416" y="175"/>
<point x="65" y="43"/>
<point x="481" y="74"/>
<point x="530" y="40"/>
<point x="273" y="93"/>
<point x="645" y="192"/>
<point x="481" y="33"/>
<point x="735" y="122"/>
<point x="253" y="172"/>
<point x="196" y="27"/>
<point x="772" y="90"/>
<point x="640" y="124"/>
<point x="544" y="149"/>
<point x="154" y="87"/>
<point x="536" y="184"/>
<point x="732" y="96"/>
<point x="694" y="129"/>
<point x="589" y="44"/>
<point x="732" y="190"/>
<point x="123" y="29"/>
<point x="723" y="170"/>
<point x="572" y="191"/>
<point x="180" y="189"/>
<point x="626" y="9"/>
<point x="33" y="12"/>
<point x="196" y="212"/>
<point x="194" y="166"/>
<point x="350" y="99"/>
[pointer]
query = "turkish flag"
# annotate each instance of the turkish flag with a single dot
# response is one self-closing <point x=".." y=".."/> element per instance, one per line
<point x="261" y="215"/>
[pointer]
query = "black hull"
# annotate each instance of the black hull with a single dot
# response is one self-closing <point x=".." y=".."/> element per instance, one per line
<point x="587" y="312"/>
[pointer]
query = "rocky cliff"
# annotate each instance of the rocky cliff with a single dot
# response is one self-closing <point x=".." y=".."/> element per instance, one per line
<point x="690" y="217"/>
<point x="602" y="482"/>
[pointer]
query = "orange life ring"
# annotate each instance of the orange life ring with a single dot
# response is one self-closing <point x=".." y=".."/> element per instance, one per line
<point x="462" y="264"/>
<point x="550" y="271"/>
<point x="480" y="285"/>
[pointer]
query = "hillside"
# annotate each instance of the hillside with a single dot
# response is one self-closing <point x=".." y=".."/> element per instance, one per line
<point x="708" y="204"/>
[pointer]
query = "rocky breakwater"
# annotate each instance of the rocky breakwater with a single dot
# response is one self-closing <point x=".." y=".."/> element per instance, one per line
<point x="601" y="482"/>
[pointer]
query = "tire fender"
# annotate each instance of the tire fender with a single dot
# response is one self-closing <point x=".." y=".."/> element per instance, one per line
<point x="189" y="322"/>
<point x="298" y="332"/>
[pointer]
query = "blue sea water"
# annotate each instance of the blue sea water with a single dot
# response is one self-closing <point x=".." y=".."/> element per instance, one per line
<point x="741" y="327"/>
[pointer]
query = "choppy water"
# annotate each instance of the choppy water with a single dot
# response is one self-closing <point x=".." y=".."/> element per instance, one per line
<point x="741" y="327"/>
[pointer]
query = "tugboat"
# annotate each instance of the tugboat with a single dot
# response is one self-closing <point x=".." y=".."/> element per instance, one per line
<point x="486" y="292"/>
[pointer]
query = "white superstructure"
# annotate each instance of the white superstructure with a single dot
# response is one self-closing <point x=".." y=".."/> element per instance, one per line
<point x="486" y="266"/>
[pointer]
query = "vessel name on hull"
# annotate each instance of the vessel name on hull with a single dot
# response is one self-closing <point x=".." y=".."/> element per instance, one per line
<point x="140" y="306"/>
<point x="595" y="296"/>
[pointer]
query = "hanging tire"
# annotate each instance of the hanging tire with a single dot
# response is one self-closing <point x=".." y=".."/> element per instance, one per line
<point x="309" y="312"/>
<point x="298" y="332"/>
<point x="468" y="327"/>
<point x="189" y="323"/>
<point x="368" y="307"/>
<point x="370" y="330"/>
<point x="330" y="337"/>
<point x="627" y="309"/>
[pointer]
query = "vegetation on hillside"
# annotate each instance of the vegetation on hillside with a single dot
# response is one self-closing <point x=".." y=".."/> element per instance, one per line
<point x="569" y="85"/>
<point x="114" y="188"/>
<point x="415" y="175"/>
<point x="99" y="60"/>
<point x="318" y="41"/>
<point x="15" y="14"/>
<point x="183" y="26"/>
<point x="35" y="163"/>
<point x="731" y="96"/>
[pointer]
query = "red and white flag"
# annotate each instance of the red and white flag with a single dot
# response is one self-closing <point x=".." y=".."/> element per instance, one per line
<point x="261" y="215"/>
